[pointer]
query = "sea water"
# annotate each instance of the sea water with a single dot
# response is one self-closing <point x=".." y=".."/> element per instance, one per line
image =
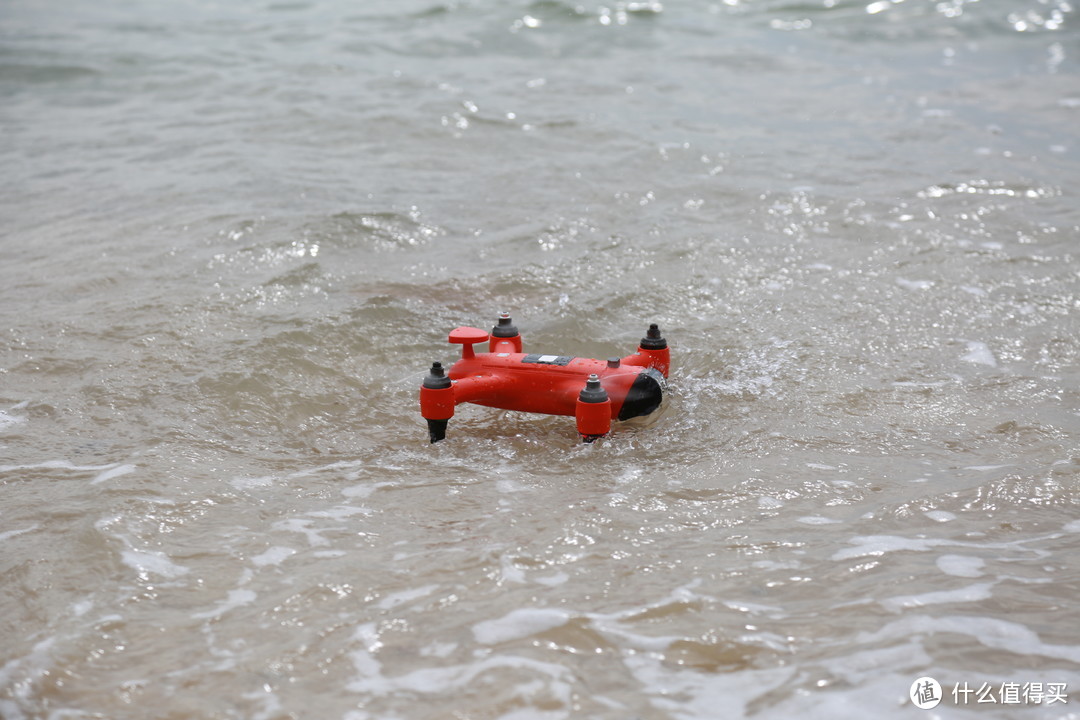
<point x="233" y="237"/>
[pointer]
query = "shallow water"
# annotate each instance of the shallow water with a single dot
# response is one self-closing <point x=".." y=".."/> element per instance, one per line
<point x="235" y="236"/>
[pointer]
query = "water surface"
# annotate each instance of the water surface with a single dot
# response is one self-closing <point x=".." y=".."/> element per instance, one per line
<point x="234" y="236"/>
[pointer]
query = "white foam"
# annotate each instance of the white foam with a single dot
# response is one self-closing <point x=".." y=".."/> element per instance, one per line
<point x="509" y="572"/>
<point x="685" y="693"/>
<point x="444" y="680"/>
<point x="961" y="565"/>
<point x="979" y="353"/>
<point x="368" y="634"/>
<point x="612" y="624"/>
<point x="878" y="545"/>
<point x="340" y="512"/>
<point x="971" y="593"/>
<point x="771" y="640"/>
<point x="866" y="665"/>
<point x="300" y="525"/>
<point x="635" y="641"/>
<point x="113" y="473"/>
<point x="817" y="520"/>
<point x="34" y="666"/>
<point x="7" y="420"/>
<point x="152" y="561"/>
<point x="684" y="594"/>
<point x="400" y="598"/>
<point x="518" y="624"/>
<point x="273" y="556"/>
<point x="552" y="580"/>
<point x="753" y="608"/>
<point x="940" y="515"/>
<point x="12" y="533"/>
<point x="237" y="598"/>
<point x="878" y="691"/>
<point x="508" y="486"/>
<point x="360" y="491"/>
<point x="528" y="679"/>
<point x="992" y="632"/>
<point x="915" y="284"/>
<point x="767" y="502"/>
<point x="241" y="483"/>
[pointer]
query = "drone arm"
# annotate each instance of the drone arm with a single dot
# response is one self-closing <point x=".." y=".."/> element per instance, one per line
<point x="652" y="352"/>
<point x="439" y="396"/>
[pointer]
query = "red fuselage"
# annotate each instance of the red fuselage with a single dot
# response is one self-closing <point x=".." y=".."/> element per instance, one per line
<point x="509" y="379"/>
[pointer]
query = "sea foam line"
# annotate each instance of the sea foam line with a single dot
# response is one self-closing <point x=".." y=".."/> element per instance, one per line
<point x="106" y="472"/>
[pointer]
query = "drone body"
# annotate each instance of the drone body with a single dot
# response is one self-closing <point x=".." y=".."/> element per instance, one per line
<point x="595" y="392"/>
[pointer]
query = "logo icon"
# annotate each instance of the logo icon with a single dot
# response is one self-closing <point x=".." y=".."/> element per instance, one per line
<point x="925" y="693"/>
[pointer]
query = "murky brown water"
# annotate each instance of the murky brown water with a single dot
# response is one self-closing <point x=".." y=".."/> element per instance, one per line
<point x="235" y="237"/>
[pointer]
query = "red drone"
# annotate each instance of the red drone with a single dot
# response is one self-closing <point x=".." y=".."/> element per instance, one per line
<point x="595" y="392"/>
